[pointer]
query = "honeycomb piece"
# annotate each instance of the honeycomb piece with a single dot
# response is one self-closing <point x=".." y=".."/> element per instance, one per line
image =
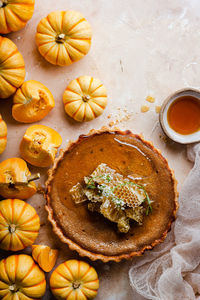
<point x="77" y="193"/>
<point x="116" y="215"/>
<point x="115" y="186"/>
<point x="135" y="214"/>
<point x="118" y="199"/>
<point x="132" y="195"/>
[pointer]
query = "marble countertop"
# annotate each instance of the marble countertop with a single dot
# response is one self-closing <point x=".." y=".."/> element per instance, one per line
<point x="139" y="49"/>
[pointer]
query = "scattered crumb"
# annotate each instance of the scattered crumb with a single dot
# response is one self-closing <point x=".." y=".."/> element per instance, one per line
<point x="125" y="118"/>
<point x="150" y="99"/>
<point x="157" y="109"/>
<point x="111" y="123"/>
<point x="122" y="115"/>
<point x="119" y="120"/>
<point x="164" y="138"/>
<point x="40" y="189"/>
<point x="144" y="108"/>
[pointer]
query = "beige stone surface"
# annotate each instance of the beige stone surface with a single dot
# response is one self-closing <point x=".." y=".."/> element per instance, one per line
<point x="139" y="49"/>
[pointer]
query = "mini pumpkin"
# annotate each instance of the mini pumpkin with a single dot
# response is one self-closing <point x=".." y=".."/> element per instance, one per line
<point x="63" y="37"/>
<point x="16" y="180"/>
<point x="85" y="98"/>
<point x="44" y="256"/>
<point x="19" y="224"/>
<point x="12" y="68"/>
<point x="3" y="135"/>
<point x="14" y="14"/>
<point x="32" y="102"/>
<point x="74" y="280"/>
<point x="39" y="145"/>
<point x="21" y="278"/>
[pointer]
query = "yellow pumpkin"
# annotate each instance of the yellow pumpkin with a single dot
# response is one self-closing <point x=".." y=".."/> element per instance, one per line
<point x="14" y="14"/>
<point x="32" y="102"/>
<point x="44" y="256"/>
<point x="39" y="145"/>
<point x="74" y="280"/>
<point x="16" y="180"/>
<point x="85" y="98"/>
<point x="12" y="68"/>
<point x="63" y="37"/>
<point x="19" y="224"/>
<point x="21" y="278"/>
<point x="3" y="135"/>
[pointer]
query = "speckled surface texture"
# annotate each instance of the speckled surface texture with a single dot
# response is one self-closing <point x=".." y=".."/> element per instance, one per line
<point x="139" y="48"/>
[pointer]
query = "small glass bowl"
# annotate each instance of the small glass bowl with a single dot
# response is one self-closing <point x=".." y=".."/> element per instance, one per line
<point x="172" y="134"/>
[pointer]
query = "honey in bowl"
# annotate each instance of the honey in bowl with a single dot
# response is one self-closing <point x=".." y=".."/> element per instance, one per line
<point x="184" y="115"/>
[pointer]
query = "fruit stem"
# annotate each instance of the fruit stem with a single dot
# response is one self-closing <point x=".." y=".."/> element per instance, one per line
<point x="60" y="38"/>
<point x="76" y="285"/>
<point x="13" y="288"/>
<point x="34" y="177"/>
<point x="3" y="3"/>
<point x="12" y="228"/>
<point x="86" y="98"/>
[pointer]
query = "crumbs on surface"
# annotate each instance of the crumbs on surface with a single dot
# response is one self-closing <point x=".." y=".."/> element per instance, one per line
<point x="144" y="108"/>
<point x="112" y="123"/>
<point x="150" y="99"/>
<point x="41" y="189"/>
<point x="121" y="116"/>
<point x="164" y="138"/>
<point x="157" y="109"/>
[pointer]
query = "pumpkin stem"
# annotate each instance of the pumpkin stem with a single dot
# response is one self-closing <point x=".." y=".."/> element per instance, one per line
<point x="76" y="285"/>
<point x="12" y="228"/>
<point x="86" y="98"/>
<point x="60" y="38"/>
<point x="13" y="288"/>
<point x="3" y="3"/>
<point x="34" y="177"/>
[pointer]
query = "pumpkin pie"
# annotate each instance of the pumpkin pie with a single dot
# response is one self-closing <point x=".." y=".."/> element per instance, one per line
<point x="91" y="233"/>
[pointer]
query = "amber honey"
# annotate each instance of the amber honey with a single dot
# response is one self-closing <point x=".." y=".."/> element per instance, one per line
<point x="184" y="115"/>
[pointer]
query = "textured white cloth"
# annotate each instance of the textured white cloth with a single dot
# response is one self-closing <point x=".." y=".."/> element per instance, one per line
<point x="172" y="270"/>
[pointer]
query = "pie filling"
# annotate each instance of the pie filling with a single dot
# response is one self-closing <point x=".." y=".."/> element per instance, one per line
<point x="117" y="198"/>
<point x="100" y="192"/>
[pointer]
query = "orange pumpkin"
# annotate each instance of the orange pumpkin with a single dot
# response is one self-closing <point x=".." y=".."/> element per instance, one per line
<point x="44" y="256"/>
<point x="12" y="68"/>
<point x="14" y="14"/>
<point x="85" y="98"/>
<point x="74" y="280"/>
<point x="3" y="135"/>
<point x="63" y="37"/>
<point x="16" y="180"/>
<point x="19" y="224"/>
<point x="21" y="278"/>
<point x="32" y="102"/>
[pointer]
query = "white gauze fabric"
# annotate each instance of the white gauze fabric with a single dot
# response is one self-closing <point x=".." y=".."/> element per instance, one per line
<point x="171" y="271"/>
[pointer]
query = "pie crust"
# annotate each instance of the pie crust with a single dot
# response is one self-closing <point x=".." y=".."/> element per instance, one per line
<point x="94" y="236"/>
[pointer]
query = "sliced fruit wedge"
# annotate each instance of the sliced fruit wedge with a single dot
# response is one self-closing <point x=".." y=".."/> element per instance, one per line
<point x="39" y="145"/>
<point x="44" y="256"/>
